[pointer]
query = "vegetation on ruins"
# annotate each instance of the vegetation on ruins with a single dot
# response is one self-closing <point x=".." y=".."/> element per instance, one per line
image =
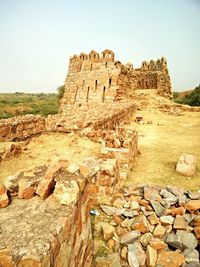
<point x="191" y="97"/>
<point x="22" y="103"/>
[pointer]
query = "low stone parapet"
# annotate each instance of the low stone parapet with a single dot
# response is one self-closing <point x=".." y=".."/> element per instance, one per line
<point x="20" y="128"/>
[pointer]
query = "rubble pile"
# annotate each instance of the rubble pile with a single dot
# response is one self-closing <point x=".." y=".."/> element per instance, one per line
<point x="149" y="226"/>
<point x="99" y="116"/>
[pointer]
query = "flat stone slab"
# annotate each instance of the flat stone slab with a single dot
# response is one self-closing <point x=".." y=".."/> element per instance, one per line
<point x="28" y="227"/>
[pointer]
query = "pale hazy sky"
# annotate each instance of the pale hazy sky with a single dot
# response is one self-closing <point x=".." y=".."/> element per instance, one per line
<point x="37" y="38"/>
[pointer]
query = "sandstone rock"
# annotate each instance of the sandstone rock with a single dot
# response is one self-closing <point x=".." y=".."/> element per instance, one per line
<point x="26" y="189"/>
<point x="187" y="164"/>
<point x="189" y="217"/>
<point x="153" y="219"/>
<point x="169" y="197"/>
<point x="125" y="223"/>
<point x="124" y="253"/>
<point x="4" y="200"/>
<point x="151" y="256"/>
<point x="196" y="221"/>
<point x="46" y="184"/>
<point x="151" y="193"/>
<point x="72" y="168"/>
<point x="119" y="202"/>
<point x="158" y="208"/>
<point x="197" y="231"/>
<point x="129" y="213"/>
<point x="159" y="231"/>
<point x="170" y="259"/>
<point x="175" y="211"/>
<point x="121" y="230"/>
<point x="117" y="219"/>
<point x="182" y="240"/>
<point x="167" y="220"/>
<point x="140" y="224"/>
<point x="180" y="223"/>
<point x="108" y="166"/>
<point x="111" y="244"/>
<point x="66" y="192"/>
<point x="157" y="243"/>
<point x="134" y="205"/>
<point x="193" y="205"/>
<point x="109" y="210"/>
<point x="136" y="255"/>
<point x="145" y="239"/>
<point x="191" y="255"/>
<point x="108" y="230"/>
<point x="130" y="237"/>
<point x="179" y="193"/>
<point x="194" y="195"/>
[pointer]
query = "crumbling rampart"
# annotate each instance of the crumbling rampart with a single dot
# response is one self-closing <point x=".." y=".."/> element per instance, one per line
<point x="95" y="78"/>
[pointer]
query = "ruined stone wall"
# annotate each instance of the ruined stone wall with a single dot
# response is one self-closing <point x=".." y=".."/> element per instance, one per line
<point x="91" y="78"/>
<point x="95" y="79"/>
<point x="153" y="75"/>
<point x="104" y="116"/>
<point x="21" y="127"/>
<point x="59" y="199"/>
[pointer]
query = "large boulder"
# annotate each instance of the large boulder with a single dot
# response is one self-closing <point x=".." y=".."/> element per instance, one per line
<point x="187" y="164"/>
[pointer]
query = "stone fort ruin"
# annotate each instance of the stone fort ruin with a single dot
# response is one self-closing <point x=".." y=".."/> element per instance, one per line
<point x="75" y="211"/>
<point x="100" y="78"/>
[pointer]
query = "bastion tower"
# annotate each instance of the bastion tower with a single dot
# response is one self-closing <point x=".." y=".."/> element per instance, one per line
<point x="99" y="78"/>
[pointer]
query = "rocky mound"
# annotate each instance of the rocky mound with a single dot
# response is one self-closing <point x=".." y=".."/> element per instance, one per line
<point x="149" y="226"/>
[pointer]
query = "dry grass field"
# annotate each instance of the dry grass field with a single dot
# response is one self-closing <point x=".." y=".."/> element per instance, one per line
<point x="160" y="145"/>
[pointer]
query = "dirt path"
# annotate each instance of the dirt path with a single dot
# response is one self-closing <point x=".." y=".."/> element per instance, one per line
<point x="160" y="145"/>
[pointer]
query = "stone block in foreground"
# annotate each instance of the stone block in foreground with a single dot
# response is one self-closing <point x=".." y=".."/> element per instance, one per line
<point x="187" y="164"/>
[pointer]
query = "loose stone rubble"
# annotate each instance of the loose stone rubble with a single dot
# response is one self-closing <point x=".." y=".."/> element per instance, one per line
<point x="151" y="237"/>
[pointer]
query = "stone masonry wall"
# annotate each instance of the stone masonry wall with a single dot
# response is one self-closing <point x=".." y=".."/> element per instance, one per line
<point x="95" y="116"/>
<point x="97" y="79"/>
<point x="19" y="128"/>
<point x="54" y="216"/>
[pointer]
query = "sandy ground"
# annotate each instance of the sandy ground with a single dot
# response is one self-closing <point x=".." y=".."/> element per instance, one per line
<point x="160" y="145"/>
<point x="49" y="148"/>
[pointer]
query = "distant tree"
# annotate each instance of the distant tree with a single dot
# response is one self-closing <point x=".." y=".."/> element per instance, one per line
<point x="61" y="90"/>
<point x="194" y="98"/>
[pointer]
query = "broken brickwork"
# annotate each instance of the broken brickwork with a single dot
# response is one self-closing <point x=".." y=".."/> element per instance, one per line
<point x="99" y="78"/>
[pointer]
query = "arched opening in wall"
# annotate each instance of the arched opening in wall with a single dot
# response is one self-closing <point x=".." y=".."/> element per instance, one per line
<point x="94" y="56"/>
<point x="91" y="67"/>
<point x="106" y="64"/>
<point x="146" y="85"/>
<point x="110" y="82"/>
<point x="139" y="84"/>
<point x="87" y="96"/>
<point x="96" y="82"/>
<point x="104" y="94"/>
